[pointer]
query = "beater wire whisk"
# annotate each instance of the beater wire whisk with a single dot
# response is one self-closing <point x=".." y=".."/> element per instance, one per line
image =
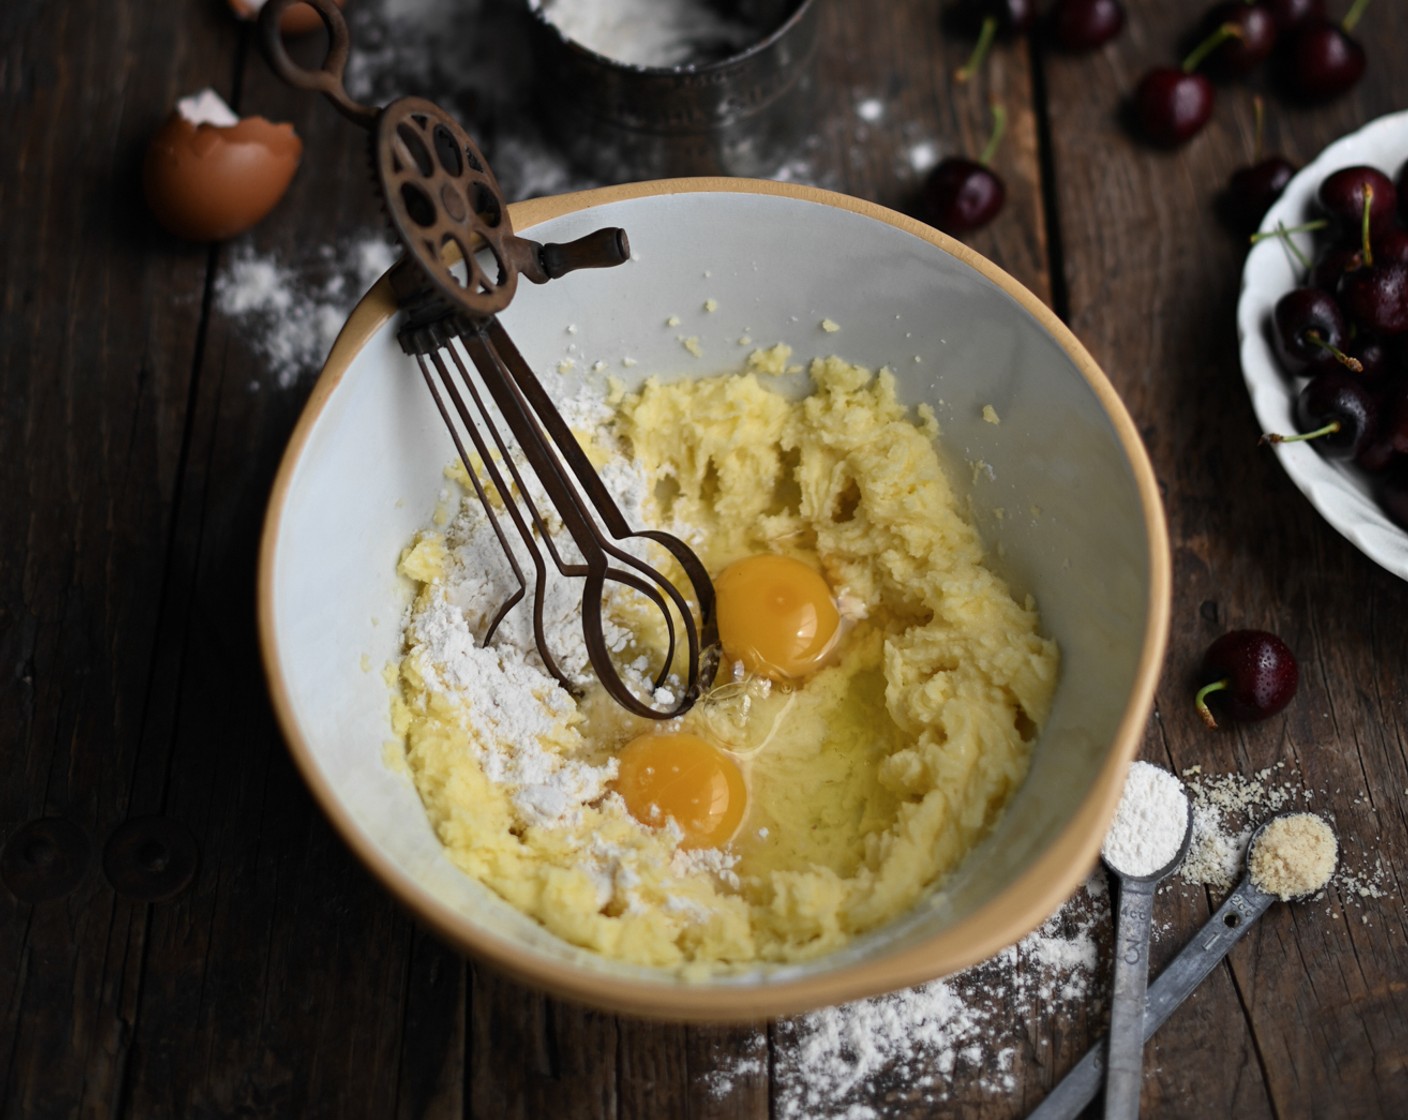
<point x="442" y="198"/>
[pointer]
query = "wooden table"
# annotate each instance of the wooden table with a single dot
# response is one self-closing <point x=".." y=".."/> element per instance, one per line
<point x="135" y="459"/>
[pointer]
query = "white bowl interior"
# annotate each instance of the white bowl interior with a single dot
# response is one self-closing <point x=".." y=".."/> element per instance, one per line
<point x="1052" y="491"/>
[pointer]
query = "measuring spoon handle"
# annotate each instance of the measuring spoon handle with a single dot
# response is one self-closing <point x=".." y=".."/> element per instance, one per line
<point x="1124" y="1052"/>
<point x="1176" y="983"/>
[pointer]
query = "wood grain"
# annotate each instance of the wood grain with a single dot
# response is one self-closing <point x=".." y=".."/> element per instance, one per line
<point x="139" y="431"/>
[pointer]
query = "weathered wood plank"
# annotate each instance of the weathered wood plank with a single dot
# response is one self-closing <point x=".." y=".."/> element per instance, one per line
<point x="1152" y="280"/>
<point x="98" y="337"/>
<point x="277" y="983"/>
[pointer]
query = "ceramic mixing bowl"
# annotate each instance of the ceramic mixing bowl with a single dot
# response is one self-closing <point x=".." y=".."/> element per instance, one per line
<point x="1060" y="488"/>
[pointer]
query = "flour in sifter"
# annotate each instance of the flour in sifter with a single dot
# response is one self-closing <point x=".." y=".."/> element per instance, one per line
<point x="649" y="32"/>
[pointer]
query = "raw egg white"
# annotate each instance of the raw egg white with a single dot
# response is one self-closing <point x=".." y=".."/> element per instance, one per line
<point x="209" y="175"/>
<point x="776" y="615"/>
<point x="682" y="777"/>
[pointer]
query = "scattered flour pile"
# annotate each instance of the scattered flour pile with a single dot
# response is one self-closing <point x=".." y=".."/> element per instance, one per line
<point x="290" y="310"/>
<point x="967" y="1027"/>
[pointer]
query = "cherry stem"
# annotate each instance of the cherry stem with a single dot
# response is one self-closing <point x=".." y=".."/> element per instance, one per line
<point x="1352" y="16"/>
<point x="1364" y="225"/>
<point x="999" y="126"/>
<point x="1313" y="337"/>
<point x="1201" y="700"/>
<point x="1211" y="43"/>
<point x="1328" y="430"/>
<point x="986" y="34"/>
<point x="1259" y="115"/>
<point x="1282" y="229"/>
<point x="1285" y="235"/>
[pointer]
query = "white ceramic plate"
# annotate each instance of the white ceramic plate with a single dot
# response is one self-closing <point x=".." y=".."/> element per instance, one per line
<point x="1340" y="493"/>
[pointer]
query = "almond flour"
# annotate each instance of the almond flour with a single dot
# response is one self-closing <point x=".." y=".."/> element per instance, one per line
<point x="1294" y="856"/>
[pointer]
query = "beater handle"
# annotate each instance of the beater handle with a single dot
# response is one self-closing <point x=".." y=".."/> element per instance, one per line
<point x="603" y="248"/>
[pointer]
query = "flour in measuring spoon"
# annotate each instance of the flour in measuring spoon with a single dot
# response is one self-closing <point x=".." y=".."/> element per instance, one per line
<point x="1149" y="824"/>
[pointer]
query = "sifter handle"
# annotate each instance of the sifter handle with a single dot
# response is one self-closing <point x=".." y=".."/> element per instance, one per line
<point x="327" y="79"/>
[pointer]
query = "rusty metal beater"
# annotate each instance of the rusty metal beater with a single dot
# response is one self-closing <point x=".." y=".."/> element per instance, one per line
<point x="440" y="193"/>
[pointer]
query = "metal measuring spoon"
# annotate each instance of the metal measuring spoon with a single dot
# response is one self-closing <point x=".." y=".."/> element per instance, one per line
<point x="1133" y="923"/>
<point x="1228" y="925"/>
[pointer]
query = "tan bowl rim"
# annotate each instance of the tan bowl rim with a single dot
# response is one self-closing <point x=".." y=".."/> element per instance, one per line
<point x="1037" y="893"/>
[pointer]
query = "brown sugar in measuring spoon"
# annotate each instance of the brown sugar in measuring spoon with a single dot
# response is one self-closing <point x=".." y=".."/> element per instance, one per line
<point x="442" y="198"/>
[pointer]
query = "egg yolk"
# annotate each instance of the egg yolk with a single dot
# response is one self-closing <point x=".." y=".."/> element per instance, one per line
<point x="776" y="615"/>
<point x="682" y="777"/>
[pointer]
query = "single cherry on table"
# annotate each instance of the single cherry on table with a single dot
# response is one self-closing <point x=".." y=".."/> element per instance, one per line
<point x="1083" y="25"/>
<point x="1172" y="103"/>
<point x="991" y="18"/>
<point x="961" y="195"/>
<point x="1248" y="674"/>
<point x="1238" y="55"/>
<point x="1252" y="189"/>
<point x="1323" y="59"/>
<point x="1290" y="14"/>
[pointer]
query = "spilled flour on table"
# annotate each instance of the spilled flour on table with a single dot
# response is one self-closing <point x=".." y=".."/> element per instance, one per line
<point x="290" y="309"/>
<point x="967" y="1028"/>
<point x="1227" y="808"/>
<point x="970" y="1029"/>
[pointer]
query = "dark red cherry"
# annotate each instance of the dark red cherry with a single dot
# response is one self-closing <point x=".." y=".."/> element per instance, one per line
<point x="1393" y="418"/>
<point x="1391" y="246"/>
<point x="1376" y="298"/>
<point x="1251" y="190"/>
<point x="1337" y="411"/>
<point x="988" y="19"/>
<point x="1373" y="357"/>
<point x="1389" y="444"/>
<point x="1401" y="185"/>
<point x="1172" y="105"/>
<point x="1083" y="25"/>
<point x="1307" y="323"/>
<point x="1391" y="490"/>
<point x="1332" y="264"/>
<point x="1252" y="44"/>
<point x="962" y="195"/>
<point x="1342" y="193"/>
<point x="1292" y="13"/>
<point x="1323" y="59"/>
<point x="1249" y="675"/>
<point x="1008" y="16"/>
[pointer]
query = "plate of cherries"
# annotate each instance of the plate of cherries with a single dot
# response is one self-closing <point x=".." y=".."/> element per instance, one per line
<point x="1322" y="324"/>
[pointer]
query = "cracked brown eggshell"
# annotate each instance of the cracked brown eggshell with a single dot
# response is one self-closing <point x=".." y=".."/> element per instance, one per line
<point x="298" y="20"/>
<point x="207" y="182"/>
